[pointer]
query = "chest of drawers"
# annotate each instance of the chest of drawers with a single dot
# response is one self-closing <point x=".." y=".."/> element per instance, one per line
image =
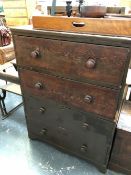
<point x="73" y="88"/>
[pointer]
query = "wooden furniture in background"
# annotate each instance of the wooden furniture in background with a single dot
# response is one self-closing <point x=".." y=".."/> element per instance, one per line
<point x="11" y="85"/>
<point x="120" y="160"/>
<point x="61" y="10"/>
<point x="104" y="26"/>
<point x="16" y="12"/>
<point x="7" y="53"/>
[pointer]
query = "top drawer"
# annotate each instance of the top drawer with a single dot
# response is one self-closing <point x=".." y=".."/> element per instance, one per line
<point x="79" y="61"/>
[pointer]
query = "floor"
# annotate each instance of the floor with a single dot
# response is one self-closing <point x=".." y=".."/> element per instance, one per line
<point x="20" y="155"/>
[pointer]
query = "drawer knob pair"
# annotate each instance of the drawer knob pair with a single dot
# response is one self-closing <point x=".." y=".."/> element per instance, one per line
<point x="90" y="64"/>
<point x="35" y="53"/>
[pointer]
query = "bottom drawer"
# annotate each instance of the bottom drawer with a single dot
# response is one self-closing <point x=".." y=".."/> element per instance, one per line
<point x="80" y="133"/>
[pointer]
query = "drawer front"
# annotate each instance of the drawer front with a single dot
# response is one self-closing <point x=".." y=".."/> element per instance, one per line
<point x="101" y="26"/>
<point x="70" y="129"/>
<point x="90" y="98"/>
<point x="79" y="61"/>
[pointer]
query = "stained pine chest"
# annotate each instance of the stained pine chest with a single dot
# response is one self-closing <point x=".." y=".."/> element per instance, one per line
<point x="73" y="88"/>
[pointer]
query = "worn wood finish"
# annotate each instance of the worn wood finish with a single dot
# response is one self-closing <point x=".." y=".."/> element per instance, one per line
<point x="71" y="59"/>
<point x="72" y="93"/>
<point x="121" y="153"/>
<point x="28" y="31"/>
<point x="59" y="99"/>
<point x="58" y="124"/>
<point x="105" y="26"/>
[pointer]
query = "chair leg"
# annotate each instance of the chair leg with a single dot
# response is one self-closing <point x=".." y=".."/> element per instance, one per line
<point x="3" y="109"/>
<point x="2" y="104"/>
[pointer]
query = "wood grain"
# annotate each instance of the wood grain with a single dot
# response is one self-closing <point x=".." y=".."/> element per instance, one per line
<point x="64" y="123"/>
<point x="121" y="154"/>
<point x="69" y="59"/>
<point x="105" y="26"/>
<point x="104" y="100"/>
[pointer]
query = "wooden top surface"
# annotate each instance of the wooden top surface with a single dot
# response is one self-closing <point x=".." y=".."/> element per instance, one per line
<point x="28" y="30"/>
<point x="12" y="87"/>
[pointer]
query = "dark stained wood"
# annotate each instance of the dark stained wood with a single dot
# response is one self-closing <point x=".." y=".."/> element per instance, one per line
<point x="28" y="31"/>
<point x="121" y="153"/>
<point x="70" y="59"/>
<point x="105" y="26"/>
<point x="60" y="125"/>
<point x="70" y="82"/>
<point x="92" y="11"/>
<point x="61" y="10"/>
<point x="72" y="93"/>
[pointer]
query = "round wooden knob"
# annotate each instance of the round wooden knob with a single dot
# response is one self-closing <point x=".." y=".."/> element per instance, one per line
<point x="90" y="63"/>
<point x="83" y="148"/>
<point x="35" y="53"/>
<point x="85" y="125"/>
<point x="38" y="85"/>
<point x="42" y="110"/>
<point x="88" y="98"/>
<point x="43" y="132"/>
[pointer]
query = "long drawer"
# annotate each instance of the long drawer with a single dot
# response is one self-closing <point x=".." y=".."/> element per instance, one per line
<point x="90" y="98"/>
<point x="79" y="61"/>
<point x="103" y="26"/>
<point x="80" y="133"/>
